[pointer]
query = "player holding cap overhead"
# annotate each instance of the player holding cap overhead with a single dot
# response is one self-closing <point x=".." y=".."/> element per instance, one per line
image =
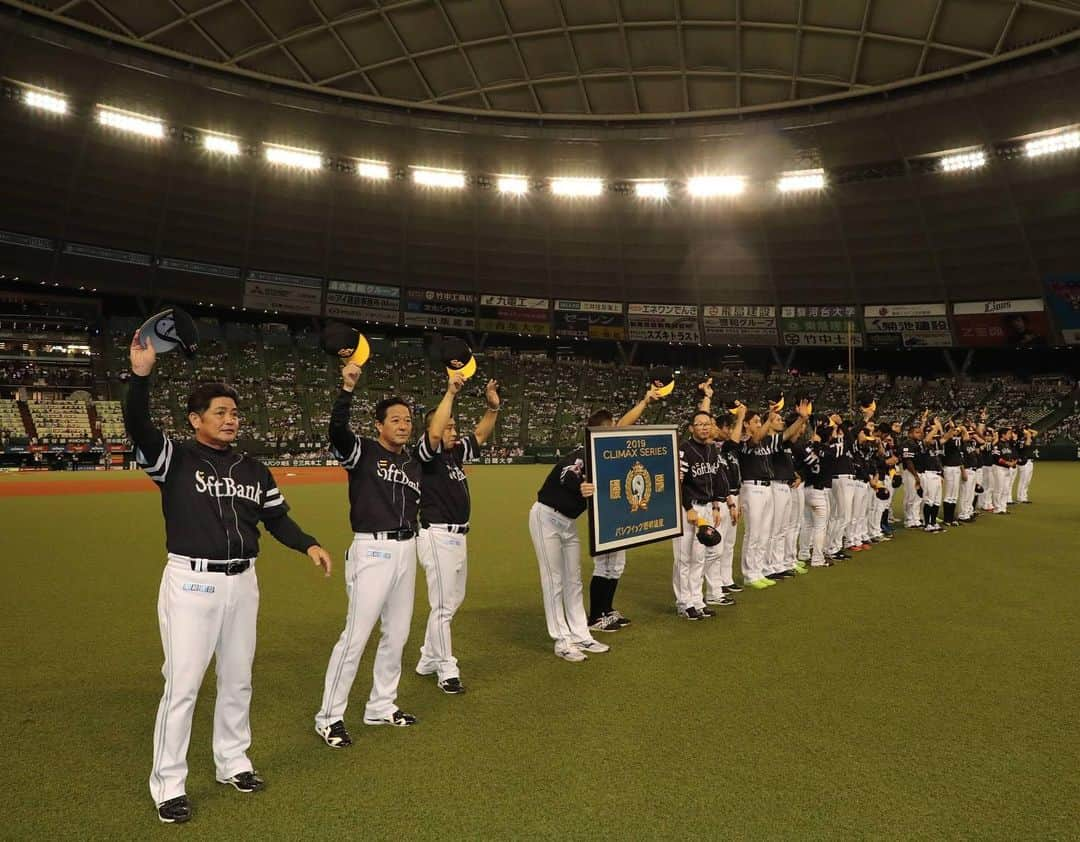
<point x="445" y="508"/>
<point x="911" y="456"/>
<point x="380" y="565"/>
<point x="608" y="567"/>
<point x="1026" y="454"/>
<point x="213" y="498"/>
<point x="930" y="470"/>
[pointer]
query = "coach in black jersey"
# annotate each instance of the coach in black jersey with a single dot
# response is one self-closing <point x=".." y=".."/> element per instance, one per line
<point x="213" y="498"/>
<point x="445" y="508"/>
<point x="380" y="566"/>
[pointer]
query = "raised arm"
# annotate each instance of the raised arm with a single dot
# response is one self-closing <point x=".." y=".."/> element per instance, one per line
<point x="441" y="416"/>
<point x="343" y="441"/>
<point x="795" y="429"/>
<point x="151" y="446"/>
<point x="637" y="410"/>
<point x="706" y="390"/>
<point x="486" y="427"/>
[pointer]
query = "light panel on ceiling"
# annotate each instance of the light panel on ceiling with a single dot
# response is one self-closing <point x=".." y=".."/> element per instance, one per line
<point x="577" y="187"/>
<point x="655" y="190"/>
<point x="514" y="185"/>
<point x="45" y="101"/>
<point x="127" y="121"/>
<point x="706" y="186"/>
<point x="1052" y="144"/>
<point x="801" y="181"/>
<point x="287" y="156"/>
<point x="374" y="170"/>
<point x="973" y="160"/>
<point x="221" y="144"/>
<point x="443" y="179"/>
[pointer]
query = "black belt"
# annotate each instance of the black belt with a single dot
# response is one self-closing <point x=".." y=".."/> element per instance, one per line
<point x="455" y="528"/>
<point x="757" y="482"/>
<point x="392" y="535"/>
<point x="229" y="568"/>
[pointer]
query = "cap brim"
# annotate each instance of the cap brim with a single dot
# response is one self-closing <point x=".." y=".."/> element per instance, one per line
<point x="160" y="332"/>
<point x="362" y="352"/>
<point x="466" y="371"/>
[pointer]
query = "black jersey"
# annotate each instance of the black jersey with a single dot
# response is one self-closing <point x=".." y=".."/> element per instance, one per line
<point x="562" y="487"/>
<point x="972" y="453"/>
<point x="932" y="453"/>
<point x="783" y="465"/>
<point x="1003" y="452"/>
<point x="444" y="489"/>
<point x="988" y="458"/>
<point x="863" y="454"/>
<point x="1025" y="453"/>
<point x="755" y="460"/>
<point x="703" y="470"/>
<point x="730" y="451"/>
<point x="837" y="456"/>
<point x="911" y="450"/>
<point x="808" y="464"/>
<point x="212" y="499"/>
<point x="954" y="454"/>
<point x="384" y="486"/>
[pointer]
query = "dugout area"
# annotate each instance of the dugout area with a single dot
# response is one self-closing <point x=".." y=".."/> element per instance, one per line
<point x="924" y="689"/>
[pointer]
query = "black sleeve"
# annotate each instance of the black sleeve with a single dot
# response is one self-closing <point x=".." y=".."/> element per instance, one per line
<point x="153" y="451"/>
<point x="288" y="532"/>
<point x="343" y="441"/>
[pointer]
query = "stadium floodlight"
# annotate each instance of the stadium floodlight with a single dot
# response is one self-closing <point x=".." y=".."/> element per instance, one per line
<point x="801" y="180"/>
<point x="577" y="187"/>
<point x="963" y="161"/>
<point x="374" y="170"/>
<point x="1052" y="144"/>
<point x="651" y="190"/>
<point x="444" y="179"/>
<point x="287" y="156"/>
<point x="45" y="101"/>
<point x="221" y="144"/>
<point x="515" y="185"/>
<point x="705" y="186"/>
<point x="126" y="121"/>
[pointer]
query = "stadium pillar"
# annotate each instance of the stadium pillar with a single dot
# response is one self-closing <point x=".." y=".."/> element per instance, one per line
<point x="968" y="357"/>
<point x="950" y="362"/>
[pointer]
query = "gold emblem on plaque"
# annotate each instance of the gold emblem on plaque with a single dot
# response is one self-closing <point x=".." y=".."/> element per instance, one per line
<point x="638" y="487"/>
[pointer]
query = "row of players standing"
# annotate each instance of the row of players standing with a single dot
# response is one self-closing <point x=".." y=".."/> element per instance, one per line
<point x="810" y="492"/>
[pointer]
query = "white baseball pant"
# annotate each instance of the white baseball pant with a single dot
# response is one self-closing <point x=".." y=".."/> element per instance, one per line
<point x="558" y="554"/>
<point x="795" y="516"/>
<point x="688" y="567"/>
<point x="816" y="521"/>
<point x="861" y="512"/>
<point x="841" y="512"/>
<point x="913" y="515"/>
<point x="781" y="523"/>
<point x="1025" y="471"/>
<point x="1012" y="482"/>
<point x="951" y="483"/>
<point x="756" y="502"/>
<point x="966" y="505"/>
<point x="719" y="559"/>
<point x="444" y="557"/>
<point x="931" y="486"/>
<point x="1002" y="484"/>
<point x="380" y="581"/>
<point x="878" y="508"/>
<point x="200" y="616"/>
<point x="609" y="565"/>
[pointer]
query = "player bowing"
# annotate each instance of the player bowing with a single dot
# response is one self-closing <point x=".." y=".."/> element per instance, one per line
<point x="380" y="566"/>
<point x="212" y="497"/>
<point x="445" y="508"/>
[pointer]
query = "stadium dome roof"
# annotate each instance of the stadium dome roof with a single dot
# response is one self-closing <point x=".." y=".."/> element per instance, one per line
<point x="582" y="59"/>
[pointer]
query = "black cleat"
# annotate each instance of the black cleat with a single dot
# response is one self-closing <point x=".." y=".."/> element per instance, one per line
<point x="398" y="718"/>
<point x="620" y="620"/>
<point x="786" y="574"/>
<point x="706" y="612"/>
<point x="245" y="782"/>
<point x="732" y="588"/>
<point x="690" y="613"/>
<point x="335" y="735"/>
<point x="175" y="810"/>
<point x="452" y="686"/>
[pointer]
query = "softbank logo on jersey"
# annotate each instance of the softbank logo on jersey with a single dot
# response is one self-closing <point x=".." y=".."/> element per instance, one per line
<point x="227" y="487"/>
<point x="699" y="469"/>
<point x="388" y="472"/>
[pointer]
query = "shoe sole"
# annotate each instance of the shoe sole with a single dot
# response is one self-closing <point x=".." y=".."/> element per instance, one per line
<point x="238" y="788"/>
<point x="609" y="629"/>
<point x="594" y="651"/>
<point x="583" y="657"/>
<point x="164" y="820"/>
<point x="374" y="722"/>
<point x="456" y="692"/>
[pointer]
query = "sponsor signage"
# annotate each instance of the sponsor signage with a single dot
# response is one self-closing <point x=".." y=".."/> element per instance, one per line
<point x="363" y="302"/>
<point x="739" y="324"/>
<point x="1014" y="323"/>
<point x="283" y="293"/>
<point x="907" y="325"/>
<point x="514" y="314"/>
<point x="663" y="323"/>
<point x="821" y="326"/>
<point x="440" y="308"/>
<point x="196" y="267"/>
<point x="1063" y="298"/>
<point x="589" y="320"/>
<point x="116" y="255"/>
<point x="12" y="238"/>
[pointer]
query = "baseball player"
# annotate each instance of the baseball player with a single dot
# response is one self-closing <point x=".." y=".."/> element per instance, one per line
<point x="783" y="562"/>
<point x="444" y="522"/>
<point x="971" y="473"/>
<point x="930" y="476"/>
<point x="719" y="575"/>
<point x="838" y="465"/>
<point x="815" y="515"/>
<point x="608" y="567"/>
<point x="952" y="461"/>
<point x="986" y="499"/>
<point x="1005" y="459"/>
<point x="911" y="454"/>
<point x="706" y="499"/>
<point x="1025" y="461"/>
<point x="213" y="498"/>
<point x="380" y="566"/>
<point x="559" y="503"/>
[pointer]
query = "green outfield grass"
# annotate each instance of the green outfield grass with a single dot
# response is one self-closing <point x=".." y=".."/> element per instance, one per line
<point x="926" y="689"/>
